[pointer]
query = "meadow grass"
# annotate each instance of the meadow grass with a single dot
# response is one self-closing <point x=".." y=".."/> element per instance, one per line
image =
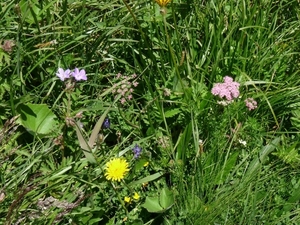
<point x="149" y="136"/>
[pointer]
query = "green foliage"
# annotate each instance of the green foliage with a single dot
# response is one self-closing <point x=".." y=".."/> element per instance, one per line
<point x="37" y="118"/>
<point x="160" y="203"/>
<point x="150" y="70"/>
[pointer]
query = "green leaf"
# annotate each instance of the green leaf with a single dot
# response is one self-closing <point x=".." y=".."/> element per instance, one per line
<point x="140" y="164"/>
<point x="152" y="205"/>
<point x="229" y="164"/>
<point x="172" y="112"/>
<point x="83" y="144"/>
<point x="58" y="174"/>
<point x="257" y="162"/>
<point x="97" y="129"/>
<point x="166" y="198"/>
<point x="147" y="179"/>
<point x="136" y="222"/>
<point x="37" y="118"/>
<point x="30" y="10"/>
<point x="161" y="203"/>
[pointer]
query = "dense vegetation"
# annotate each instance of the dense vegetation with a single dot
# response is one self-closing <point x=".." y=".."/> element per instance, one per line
<point x="149" y="112"/>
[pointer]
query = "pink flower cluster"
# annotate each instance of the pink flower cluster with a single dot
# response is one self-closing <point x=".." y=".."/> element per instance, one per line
<point x="251" y="104"/>
<point x="125" y="87"/>
<point x="229" y="89"/>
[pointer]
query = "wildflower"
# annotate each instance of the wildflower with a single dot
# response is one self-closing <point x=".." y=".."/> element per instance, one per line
<point x="167" y="92"/>
<point x="123" y="100"/>
<point x="106" y="123"/>
<point x="63" y="74"/>
<point x="119" y="75"/>
<point x="162" y="3"/>
<point x="79" y="75"/>
<point x="136" y="196"/>
<point x="251" y="104"/>
<point x="163" y="142"/>
<point x="135" y="83"/>
<point x="146" y="164"/>
<point x="137" y="150"/>
<point x="224" y="102"/>
<point x="127" y="199"/>
<point x="116" y="169"/>
<point x="229" y="89"/>
<point x="8" y="46"/>
<point x="125" y="87"/>
<point x="242" y="142"/>
<point x="79" y="115"/>
<point x="70" y="121"/>
<point x="58" y="140"/>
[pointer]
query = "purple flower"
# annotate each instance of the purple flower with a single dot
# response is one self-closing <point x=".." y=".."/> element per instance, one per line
<point x="251" y="104"/>
<point x="229" y="89"/>
<point x="79" y="75"/>
<point x="106" y="123"/>
<point x="137" y="150"/>
<point x="63" y="74"/>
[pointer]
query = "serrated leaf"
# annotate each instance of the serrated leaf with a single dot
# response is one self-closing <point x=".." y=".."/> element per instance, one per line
<point x="171" y="113"/>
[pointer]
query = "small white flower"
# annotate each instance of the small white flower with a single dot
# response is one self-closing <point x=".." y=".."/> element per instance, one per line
<point x="242" y="142"/>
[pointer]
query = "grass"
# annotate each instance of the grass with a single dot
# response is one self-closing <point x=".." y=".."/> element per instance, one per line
<point x="150" y="71"/>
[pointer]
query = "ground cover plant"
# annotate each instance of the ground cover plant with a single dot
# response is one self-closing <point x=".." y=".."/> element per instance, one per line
<point x="149" y="112"/>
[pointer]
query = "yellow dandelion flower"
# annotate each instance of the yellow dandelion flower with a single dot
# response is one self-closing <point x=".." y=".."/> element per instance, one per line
<point x="136" y="196"/>
<point x="127" y="199"/>
<point x="116" y="169"/>
<point x="162" y="3"/>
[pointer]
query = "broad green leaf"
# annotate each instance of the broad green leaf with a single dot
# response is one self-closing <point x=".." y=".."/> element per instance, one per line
<point x="30" y="10"/>
<point x="166" y="198"/>
<point x="152" y="205"/>
<point x="161" y="203"/>
<point x="37" y="118"/>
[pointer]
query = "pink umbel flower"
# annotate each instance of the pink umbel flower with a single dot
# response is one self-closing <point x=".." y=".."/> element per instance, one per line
<point x="79" y="74"/>
<point x="63" y="74"/>
<point x="229" y="89"/>
<point x="251" y="104"/>
<point x="123" y="100"/>
<point x="125" y="87"/>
